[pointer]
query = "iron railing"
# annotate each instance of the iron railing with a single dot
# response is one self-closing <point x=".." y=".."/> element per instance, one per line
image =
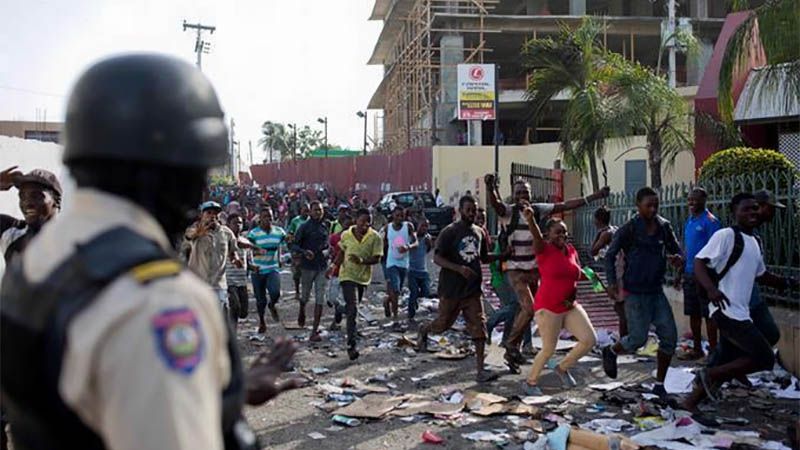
<point x="781" y="238"/>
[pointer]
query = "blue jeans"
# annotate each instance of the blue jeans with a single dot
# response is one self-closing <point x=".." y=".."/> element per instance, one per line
<point x="394" y="278"/>
<point x="642" y="310"/>
<point x="507" y="312"/>
<point x="263" y="283"/>
<point x="419" y="285"/>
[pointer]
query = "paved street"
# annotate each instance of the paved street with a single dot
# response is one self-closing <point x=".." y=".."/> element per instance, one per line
<point x="287" y="422"/>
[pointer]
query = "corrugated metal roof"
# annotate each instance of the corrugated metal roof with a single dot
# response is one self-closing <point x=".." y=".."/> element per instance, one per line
<point x="768" y="95"/>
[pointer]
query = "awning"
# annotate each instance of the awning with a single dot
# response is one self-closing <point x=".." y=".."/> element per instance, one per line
<point x="770" y="94"/>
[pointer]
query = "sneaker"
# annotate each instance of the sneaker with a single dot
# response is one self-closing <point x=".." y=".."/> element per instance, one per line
<point x="660" y="391"/>
<point x="422" y="341"/>
<point x="513" y="355"/>
<point x="531" y="390"/>
<point x="710" y="388"/>
<point x="315" y="337"/>
<point x="567" y="380"/>
<point x="512" y="365"/>
<point x="486" y="376"/>
<point x="262" y="328"/>
<point x="609" y="362"/>
<point x="528" y="351"/>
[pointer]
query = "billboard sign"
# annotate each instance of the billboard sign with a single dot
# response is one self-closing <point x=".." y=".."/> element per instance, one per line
<point x="476" y="91"/>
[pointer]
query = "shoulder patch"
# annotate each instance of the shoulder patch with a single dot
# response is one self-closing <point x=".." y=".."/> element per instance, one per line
<point x="178" y="339"/>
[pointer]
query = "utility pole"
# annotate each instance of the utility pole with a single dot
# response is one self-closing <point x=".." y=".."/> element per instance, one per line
<point x="250" y="144"/>
<point x="293" y="126"/>
<point x="200" y="46"/>
<point x="671" y="43"/>
<point x="232" y="152"/>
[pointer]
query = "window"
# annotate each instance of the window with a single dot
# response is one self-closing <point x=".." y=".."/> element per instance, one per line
<point x="42" y="135"/>
<point x="635" y="174"/>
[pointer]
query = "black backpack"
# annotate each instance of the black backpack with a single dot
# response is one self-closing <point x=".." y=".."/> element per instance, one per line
<point x="736" y="253"/>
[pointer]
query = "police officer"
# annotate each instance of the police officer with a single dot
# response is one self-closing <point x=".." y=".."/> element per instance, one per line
<point x="106" y="340"/>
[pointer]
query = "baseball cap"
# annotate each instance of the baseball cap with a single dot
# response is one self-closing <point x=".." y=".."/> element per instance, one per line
<point x="343" y="206"/>
<point x="42" y="177"/>
<point x="210" y="205"/>
<point x="767" y="197"/>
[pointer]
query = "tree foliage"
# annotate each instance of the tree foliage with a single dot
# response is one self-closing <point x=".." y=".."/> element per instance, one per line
<point x="743" y="160"/>
<point x="282" y="138"/>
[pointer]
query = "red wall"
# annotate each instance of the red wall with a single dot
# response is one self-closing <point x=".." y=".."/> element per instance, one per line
<point x="372" y="174"/>
<point x="706" y="99"/>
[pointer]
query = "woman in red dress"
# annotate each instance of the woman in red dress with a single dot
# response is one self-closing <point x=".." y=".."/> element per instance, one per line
<point x="554" y="306"/>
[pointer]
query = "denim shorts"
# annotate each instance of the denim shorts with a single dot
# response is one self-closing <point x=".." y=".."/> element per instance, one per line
<point x="695" y="302"/>
<point x="395" y="276"/>
<point x="643" y="310"/>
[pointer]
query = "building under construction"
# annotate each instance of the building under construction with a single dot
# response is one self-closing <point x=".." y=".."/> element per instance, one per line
<point x="423" y="41"/>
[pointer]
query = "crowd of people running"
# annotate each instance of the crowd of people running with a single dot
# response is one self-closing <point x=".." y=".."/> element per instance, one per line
<point x="247" y="235"/>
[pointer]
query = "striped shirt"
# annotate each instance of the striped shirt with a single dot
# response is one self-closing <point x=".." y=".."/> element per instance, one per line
<point x="521" y="238"/>
<point x="237" y="276"/>
<point x="266" y="256"/>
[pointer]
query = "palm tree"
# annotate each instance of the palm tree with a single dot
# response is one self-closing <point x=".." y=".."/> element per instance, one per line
<point x="653" y="107"/>
<point x="274" y="138"/>
<point x="576" y="64"/>
<point x="771" y="28"/>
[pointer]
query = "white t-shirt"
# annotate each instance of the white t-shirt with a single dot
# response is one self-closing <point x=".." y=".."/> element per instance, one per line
<point x="737" y="284"/>
<point x="521" y="238"/>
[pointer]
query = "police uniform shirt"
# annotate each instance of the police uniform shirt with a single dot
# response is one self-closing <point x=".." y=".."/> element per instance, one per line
<point x="145" y="363"/>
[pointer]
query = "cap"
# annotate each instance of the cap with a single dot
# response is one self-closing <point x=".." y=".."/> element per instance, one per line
<point x="343" y="206"/>
<point x="210" y="205"/>
<point x="767" y="197"/>
<point x="40" y="176"/>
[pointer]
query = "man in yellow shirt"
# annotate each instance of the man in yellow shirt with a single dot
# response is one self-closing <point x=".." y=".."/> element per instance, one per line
<point x="361" y="248"/>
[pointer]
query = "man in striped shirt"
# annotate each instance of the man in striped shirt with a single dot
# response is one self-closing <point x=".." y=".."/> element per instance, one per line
<point x="521" y="266"/>
<point x="236" y="276"/>
<point x="267" y="239"/>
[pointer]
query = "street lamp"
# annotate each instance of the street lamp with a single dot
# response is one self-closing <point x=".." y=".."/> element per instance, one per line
<point x="363" y="115"/>
<point x="325" y="122"/>
<point x="293" y="126"/>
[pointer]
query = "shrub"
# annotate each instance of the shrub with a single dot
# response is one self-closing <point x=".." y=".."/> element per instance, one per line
<point x="744" y="160"/>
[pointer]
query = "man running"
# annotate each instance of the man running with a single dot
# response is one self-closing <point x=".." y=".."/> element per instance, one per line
<point x="267" y="239"/>
<point x="460" y="249"/>
<point x="291" y="229"/>
<point x="399" y="239"/>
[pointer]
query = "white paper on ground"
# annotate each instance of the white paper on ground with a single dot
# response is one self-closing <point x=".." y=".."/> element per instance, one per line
<point x="669" y="432"/>
<point x="537" y="399"/>
<point x="606" y="386"/>
<point x="606" y="426"/>
<point x="485" y="436"/>
<point x="789" y="392"/>
<point x="678" y="381"/>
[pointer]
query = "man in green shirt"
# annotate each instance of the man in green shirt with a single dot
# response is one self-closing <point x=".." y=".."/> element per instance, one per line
<point x="361" y="247"/>
<point x="343" y="212"/>
<point x="294" y="224"/>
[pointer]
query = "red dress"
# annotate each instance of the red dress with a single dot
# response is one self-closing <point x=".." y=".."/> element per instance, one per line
<point x="559" y="278"/>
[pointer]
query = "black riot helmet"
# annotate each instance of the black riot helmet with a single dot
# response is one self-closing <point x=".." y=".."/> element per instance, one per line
<point x="148" y="128"/>
<point x="146" y="108"/>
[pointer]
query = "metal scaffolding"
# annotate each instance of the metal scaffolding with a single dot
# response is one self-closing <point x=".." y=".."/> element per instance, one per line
<point x="411" y="87"/>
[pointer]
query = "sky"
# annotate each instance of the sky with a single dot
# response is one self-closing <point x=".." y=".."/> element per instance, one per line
<point x="288" y="61"/>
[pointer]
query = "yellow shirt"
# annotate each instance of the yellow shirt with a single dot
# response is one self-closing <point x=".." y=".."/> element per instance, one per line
<point x="370" y="244"/>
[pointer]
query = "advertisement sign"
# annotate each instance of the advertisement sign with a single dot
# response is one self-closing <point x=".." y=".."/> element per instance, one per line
<point x="476" y="92"/>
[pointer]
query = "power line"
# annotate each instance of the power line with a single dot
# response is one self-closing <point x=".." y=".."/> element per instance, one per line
<point x="31" y="91"/>
<point x="200" y="46"/>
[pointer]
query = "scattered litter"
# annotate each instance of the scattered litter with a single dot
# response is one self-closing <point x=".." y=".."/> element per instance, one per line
<point x="319" y="370"/>
<point x="316" y="436"/>
<point x="257" y="337"/>
<point x="791" y="391"/>
<point x="605" y="387"/>
<point x="453" y="353"/>
<point x="536" y="400"/>
<point x="334" y="428"/>
<point x="292" y="325"/>
<point x="370" y="407"/>
<point x="607" y="426"/>
<point x="679" y="380"/>
<point x="349" y="421"/>
<point x="683" y="428"/>
<point x="431" y="438"/>
<point x="486" y="436"/>
<point x="649" y="422"/>
<point x="427" y="376"/>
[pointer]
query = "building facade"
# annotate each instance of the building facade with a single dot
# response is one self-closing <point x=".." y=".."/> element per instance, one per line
<point x="39" y="131"/>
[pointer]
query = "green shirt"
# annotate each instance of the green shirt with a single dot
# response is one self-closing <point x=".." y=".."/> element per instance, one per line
<point x="336" y="227"/>
<point x="371" y="244"/>
<point x="295" y="223"/>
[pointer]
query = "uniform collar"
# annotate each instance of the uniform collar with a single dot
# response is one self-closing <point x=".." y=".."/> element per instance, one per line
<point x="106" y="208"/>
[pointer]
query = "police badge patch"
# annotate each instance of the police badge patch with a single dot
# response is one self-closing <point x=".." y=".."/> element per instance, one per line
<point x="178" y="339"/>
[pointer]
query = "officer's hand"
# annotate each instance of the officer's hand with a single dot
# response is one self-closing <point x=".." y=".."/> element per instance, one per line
<point x="262" y="379"/>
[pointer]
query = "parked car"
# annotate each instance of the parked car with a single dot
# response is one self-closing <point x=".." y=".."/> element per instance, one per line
<point x="439" y="217"/>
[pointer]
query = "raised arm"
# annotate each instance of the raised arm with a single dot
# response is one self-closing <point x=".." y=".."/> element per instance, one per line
<point x="538" y="239"/>
<point x="576" y="203"/>
<point x="494" y="195"/>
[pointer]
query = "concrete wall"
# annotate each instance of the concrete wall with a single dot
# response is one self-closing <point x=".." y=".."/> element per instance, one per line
<point x="457" y="169"/>
<point x="788" y="322"/>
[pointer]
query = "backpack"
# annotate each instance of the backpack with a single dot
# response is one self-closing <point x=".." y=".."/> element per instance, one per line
<point x="736" y="253"/>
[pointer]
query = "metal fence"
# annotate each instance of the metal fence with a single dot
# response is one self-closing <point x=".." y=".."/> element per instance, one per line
<point x="781" y="238"/>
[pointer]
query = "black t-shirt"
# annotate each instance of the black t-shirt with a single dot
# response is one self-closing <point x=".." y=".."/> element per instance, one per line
<point x="464" y="245"/>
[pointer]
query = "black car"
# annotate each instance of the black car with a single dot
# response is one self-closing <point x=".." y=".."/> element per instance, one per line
<point x="439" y="217"/>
